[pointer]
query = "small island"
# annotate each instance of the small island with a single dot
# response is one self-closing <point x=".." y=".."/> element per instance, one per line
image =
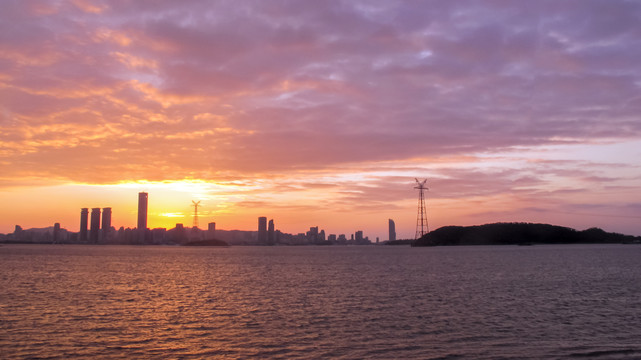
<point x="520" y="234"/>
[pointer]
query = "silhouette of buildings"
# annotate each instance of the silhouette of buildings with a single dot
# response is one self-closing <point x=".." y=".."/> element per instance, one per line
<point x="262" y="230"/>
<point x="106" y="223"/>
<point x="142" y="210"/>
<point x="392" y="230"/>
<point x="211" y="230"/>
<point x="98" y="229"/>
<point x="56" y="233"/>
<point x="270" y="232"/>
<point x="84" y="220"/>
<point x="142" y="216"/>
<point x="95" y="225"/>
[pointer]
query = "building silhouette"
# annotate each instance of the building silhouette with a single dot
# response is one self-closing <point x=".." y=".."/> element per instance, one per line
<point x="56" y="233"/>
<point x="211" y="229"/>
<point x="392" y="230"/>
<point x="262" y="230"/>
<point x="106" y="223"/>
<point x="84" y="221"/>
<point x="270" y="232"/>
<point x="142" y="217"/>
<point x="142" y="210"/>
<point x="95" y="225"/>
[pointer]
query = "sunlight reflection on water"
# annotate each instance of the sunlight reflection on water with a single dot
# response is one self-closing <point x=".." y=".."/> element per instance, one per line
<point x="320" y="302"/>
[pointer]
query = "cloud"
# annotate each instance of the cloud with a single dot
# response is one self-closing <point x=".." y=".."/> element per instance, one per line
<point x="108" y="91"/>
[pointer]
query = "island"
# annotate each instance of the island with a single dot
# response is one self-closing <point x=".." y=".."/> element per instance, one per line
<point x="520" y="234"/>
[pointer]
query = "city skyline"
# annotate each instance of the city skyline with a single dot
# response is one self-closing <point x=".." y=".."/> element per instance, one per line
<point x="321" y="114"/>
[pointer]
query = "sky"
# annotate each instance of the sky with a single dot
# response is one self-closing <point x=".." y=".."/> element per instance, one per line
<point x="321" y="113"/>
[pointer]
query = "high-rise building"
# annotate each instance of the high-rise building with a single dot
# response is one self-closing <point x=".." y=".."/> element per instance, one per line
<point x="359" y="236"/>
<point x="95" y="225"/>
<point x="56" y="233"/>
<point x="106" y="223"/>
<point x="84" y="221"/>
<point x="142" y="211"/>
<point x="262" y="230"/>
<point x="211" y="229"/>
<point x="392" y="230"/>
<point x="270" y="232"/>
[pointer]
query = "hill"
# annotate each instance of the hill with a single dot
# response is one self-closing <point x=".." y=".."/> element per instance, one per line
<point x="519" y="234"/>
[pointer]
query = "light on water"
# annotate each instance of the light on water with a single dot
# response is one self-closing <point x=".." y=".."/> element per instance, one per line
<point x="320" y="302"/>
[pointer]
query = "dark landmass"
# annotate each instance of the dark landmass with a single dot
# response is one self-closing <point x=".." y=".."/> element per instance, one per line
<point x="519" y="234"/>
<point x="210" y="242"/>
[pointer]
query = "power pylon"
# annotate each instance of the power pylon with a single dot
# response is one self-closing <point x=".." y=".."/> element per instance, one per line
<point x="195" y="205"/>
<point x="421" y="217"/>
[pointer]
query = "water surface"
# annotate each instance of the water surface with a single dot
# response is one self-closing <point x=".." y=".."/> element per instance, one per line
<point x="493" y="302"/>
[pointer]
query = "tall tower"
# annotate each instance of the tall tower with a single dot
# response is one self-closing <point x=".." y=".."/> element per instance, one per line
<point x="262" y="230"/>
<point x="56" y="233"/>
<point x="84" y="221"/>
<point x="392" y="230"/>
<point x="95" y="225"/>
<point x="142" y="211"/>
<point x="211" y="227"/>
<point x="106" y="223"/>
<point x="195" y="205"/>
<point x="270" y="232"/>
<point x="421" y="217"/>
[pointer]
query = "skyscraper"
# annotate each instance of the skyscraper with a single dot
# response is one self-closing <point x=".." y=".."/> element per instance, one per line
<point x="270" y="232"/>
<point x="392" y="230"/>
<point x="262" y="230"/>
<point x="106" y="223"/>
<point x="95" y="225"/>
<point x="84" y="220"/>
<point x="142" y="211"/>
<point x="211" y="229"/>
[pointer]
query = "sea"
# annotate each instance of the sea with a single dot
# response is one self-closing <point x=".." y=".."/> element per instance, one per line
<point x="320" y="302"/>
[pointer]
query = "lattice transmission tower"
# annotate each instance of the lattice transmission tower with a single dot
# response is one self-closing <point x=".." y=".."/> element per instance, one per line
<point x="421" y="217"/>
<point x="195" y="205"/>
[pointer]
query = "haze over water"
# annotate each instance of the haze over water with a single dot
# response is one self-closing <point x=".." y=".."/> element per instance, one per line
<point x="486" y="302"/>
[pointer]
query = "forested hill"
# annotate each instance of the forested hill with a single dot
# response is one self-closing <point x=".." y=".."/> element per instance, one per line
<point x="519" y="234"/>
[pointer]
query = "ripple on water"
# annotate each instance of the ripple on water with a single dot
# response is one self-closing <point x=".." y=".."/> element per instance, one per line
<point x="308" y="302"/>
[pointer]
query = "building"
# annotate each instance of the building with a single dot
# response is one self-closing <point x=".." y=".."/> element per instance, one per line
<point x="106" y="223"/>
<point x="56" y="233"/>
<point x="270" y="232"/>
<point x="84" y="221"/>
<point x="142" y="210"/>
<point x="392" y="230"/>
<point x="95" y="225"/>
<point x="142" y="217"/>
<point x="211" y="230"/>
<point x="359" y="236"/>
<point x="262" y="230"/>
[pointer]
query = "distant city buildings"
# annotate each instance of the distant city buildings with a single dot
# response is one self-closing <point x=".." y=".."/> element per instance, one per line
<point x="142" y="210"/>
<point x="392" y="230"/>
<point x="211" y="230"/>
<point x="97" y="228"/>
<point x="270" y="232"/>
<point x="106" y="223"/>
<point x="262" y="230"/>
<point x="84" y="221"/>
<point x="95" y="225"/>
<point x="142" y="217"/>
